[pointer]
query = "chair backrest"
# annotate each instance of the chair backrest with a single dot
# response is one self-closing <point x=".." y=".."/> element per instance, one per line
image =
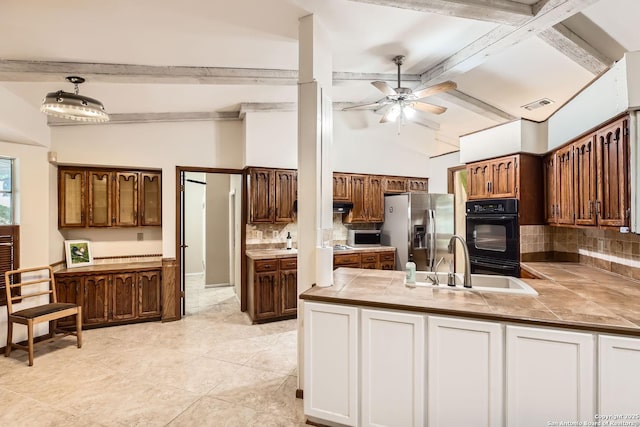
<point x="13" y="280"/>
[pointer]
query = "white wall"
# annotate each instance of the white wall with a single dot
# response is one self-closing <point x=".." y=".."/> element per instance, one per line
<point x="154" y="145"/>
<point x="20" y="122"/>
<point x="438" y="171"/>
<point x="32" y="173"/>
<point x="236" y="185"/>
<point x="272" y="139"/>
<point x="194" y="223"/>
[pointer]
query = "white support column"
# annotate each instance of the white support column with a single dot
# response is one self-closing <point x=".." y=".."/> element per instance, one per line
<point x="315" y="183"/>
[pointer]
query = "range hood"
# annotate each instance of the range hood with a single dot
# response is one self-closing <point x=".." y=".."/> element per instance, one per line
<point x="342" y="207"/>
<point x="338" y="207"/>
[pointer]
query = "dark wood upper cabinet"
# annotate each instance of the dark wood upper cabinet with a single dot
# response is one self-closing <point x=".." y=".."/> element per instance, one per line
<point x="518" y="176"/>
<point x="359" y="197"/>
<point x="341" y="187"/>
<point x="549" y="172"/>
<point x="418" y="185"/>
<point x="612" y="157"/>
<point x="97" y="197"/>
<point x="375" y="199"/>
<point x="272" y="194"/>
<point x="394" y="184"/>
<point x="591" y="182"/>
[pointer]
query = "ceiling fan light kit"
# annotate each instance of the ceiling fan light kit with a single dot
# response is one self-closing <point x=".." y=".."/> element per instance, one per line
<point x="401" y="102"/>
<point x="74" y="106"/>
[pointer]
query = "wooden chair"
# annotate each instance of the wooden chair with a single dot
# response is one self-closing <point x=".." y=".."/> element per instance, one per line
<point x="31" y="316"/>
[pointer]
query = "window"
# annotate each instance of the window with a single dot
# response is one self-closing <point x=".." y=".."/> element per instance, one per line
<point x="9" y="232"/>
<point x="6" y="191"/>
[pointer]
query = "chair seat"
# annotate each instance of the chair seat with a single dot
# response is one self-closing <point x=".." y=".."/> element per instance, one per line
<point x="33" y="312"/>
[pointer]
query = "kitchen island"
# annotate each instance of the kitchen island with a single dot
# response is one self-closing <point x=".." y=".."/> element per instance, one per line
<point x="377" y="352"/>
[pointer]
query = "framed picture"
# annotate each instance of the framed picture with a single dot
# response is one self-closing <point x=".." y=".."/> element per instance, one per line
<point x="78" y="253"/>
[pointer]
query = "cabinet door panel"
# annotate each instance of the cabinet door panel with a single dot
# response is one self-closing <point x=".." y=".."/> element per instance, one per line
<point x="149" y="294"/>
<point x="331" y="363"/>
<point x="69" y="289"/>
<point x="564" y="186"/>
<point x="504" y="177"/>
<point x="342" y="187"/>
<point x="289" y="292"/>
<point x="100" y="197"/>
<point x="359" y="198"/>
<point x="151" y="198"/>
<point x="267" y="302"/>
<point x="478" y="176"/>
<point x="123" y="296"/>
<point x="550" y="376"/>
<point x="585" y="180"/>
<point x="418" y="185"/>
<point x="261" y="195"/>
<point x="285" y="195"/>
<point x="392" y="369"/>
<point x="549" y="165"/>
<point x="619" y="375"/>
<point x="72" y="205"/>
<point x="375" y="199"/>
<point x="454" y="377"/>
<point x="126" y="194"/>
<point x="95" y="300"/>
<point x="612" y="152"/>
<point x="395" y="184"/>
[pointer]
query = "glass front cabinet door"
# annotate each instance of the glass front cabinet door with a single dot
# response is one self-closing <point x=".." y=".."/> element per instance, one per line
<point x="126" y="197"/>
<point x="151" y="199"/>
<point x="100" y="196"/>
<point x="72" y="198"/>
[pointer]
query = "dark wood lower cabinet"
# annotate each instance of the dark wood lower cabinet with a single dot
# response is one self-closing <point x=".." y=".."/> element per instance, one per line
<point x="273" y="289"/>
<point x="373" y="260"/>
<point x="111" y="298"/>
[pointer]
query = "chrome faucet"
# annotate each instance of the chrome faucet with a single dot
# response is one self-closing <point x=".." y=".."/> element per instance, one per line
<point x="467" y="262"/>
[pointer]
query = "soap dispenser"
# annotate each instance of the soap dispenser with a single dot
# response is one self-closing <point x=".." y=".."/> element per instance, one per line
<point x="289" y="242"/>
<point x="410" y="269"/>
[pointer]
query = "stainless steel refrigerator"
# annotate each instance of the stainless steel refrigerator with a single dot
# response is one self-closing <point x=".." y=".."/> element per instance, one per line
<point x="421" y="224"/>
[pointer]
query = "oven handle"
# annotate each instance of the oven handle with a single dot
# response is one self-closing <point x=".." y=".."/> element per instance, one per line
<point x="492" y="217"/>
<point x="484" y="264"/>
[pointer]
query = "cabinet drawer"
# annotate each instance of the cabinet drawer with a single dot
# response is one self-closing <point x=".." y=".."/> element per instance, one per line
<point x="288" y="263"/>
<point x="346" y="259"/>
<point x="369" y="258"/>
<point x="265" y="265"/>
<point x="387" y="256"/>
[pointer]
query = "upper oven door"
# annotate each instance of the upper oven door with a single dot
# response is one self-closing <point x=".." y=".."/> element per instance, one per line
<point x="493" y="237"/>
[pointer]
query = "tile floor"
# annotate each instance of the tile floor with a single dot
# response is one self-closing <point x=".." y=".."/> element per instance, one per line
<point x="212" y="368"/>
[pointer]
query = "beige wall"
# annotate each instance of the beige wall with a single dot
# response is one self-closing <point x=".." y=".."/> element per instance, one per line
<point x="194" y="223"/>
<point x="217" y="229"/>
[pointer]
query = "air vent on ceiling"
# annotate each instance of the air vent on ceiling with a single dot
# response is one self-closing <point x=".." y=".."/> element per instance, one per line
<point x="537" y="104"/>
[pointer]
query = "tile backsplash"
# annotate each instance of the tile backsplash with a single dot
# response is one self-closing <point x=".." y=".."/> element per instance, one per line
<point x="606" y="249"/>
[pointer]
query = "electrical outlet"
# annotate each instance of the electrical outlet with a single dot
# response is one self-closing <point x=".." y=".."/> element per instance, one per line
<point x="274" y="234"/>
<point x="140" y="236"/>
<point x="600" y="245"/>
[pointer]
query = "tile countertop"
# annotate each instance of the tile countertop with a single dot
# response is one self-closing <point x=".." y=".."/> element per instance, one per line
<point x="284" y="253"/>
<point x="571" y="295"/>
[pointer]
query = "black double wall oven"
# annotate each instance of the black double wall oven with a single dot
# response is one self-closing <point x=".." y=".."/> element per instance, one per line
<point x="493" y="236"/>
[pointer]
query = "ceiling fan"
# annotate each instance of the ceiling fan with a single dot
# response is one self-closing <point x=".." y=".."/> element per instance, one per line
<point x="402" y="102"/>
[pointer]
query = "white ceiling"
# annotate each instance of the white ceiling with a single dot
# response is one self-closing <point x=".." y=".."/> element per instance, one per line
<point x="263" y="34"/>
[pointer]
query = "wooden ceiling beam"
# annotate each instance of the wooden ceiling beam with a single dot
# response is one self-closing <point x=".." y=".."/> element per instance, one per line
<point x="51" y="71"/>
<point x="470" y="103"/>
<point x="128" y="118"/>
<point x="549" y="13"/>
<point x="501" y="11"/>
<point x="576" y="48"/>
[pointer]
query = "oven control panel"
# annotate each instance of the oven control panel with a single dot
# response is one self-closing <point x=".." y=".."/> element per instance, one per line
<point x="493" y="206"/>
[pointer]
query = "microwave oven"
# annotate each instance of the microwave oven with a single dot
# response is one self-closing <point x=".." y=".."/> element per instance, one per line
<point x="363" y="238"/>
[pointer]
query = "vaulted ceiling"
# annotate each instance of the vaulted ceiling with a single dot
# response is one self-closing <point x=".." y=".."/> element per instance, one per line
<point x="205" y="59"/>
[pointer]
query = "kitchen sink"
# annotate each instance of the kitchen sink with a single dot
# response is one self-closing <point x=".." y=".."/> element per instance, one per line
<point x="341" y="247"/>
<point x="480" y="282"/>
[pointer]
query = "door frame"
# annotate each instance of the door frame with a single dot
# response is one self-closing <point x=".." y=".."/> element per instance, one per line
<point x="243" y="215"/>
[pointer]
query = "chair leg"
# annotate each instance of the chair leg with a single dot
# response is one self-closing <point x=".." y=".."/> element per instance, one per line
<point x="30" y="341"/>
<point x="53" y="325"/>
<point x="79" y="327"/>
<point x="7" y="350"/>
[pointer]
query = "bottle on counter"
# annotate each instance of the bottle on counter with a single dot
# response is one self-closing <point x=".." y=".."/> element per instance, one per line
<point x="289" y="240"/>
<point x="410" y="269"/>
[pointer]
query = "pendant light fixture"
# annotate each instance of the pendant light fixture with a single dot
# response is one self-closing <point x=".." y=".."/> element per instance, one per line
<point x="73" y="105"/>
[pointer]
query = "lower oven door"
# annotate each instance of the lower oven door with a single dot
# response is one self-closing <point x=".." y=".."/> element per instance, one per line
<point x="480" y="266"/>
<point x="494" y="237"/>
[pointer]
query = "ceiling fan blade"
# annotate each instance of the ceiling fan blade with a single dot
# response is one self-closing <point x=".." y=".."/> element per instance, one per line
<point x="429" y="108"/>
<point x="384" y="88"/>
<point x="386" y="117"/>
<point x="432" y="90"/>
<point x="364" y="106"/>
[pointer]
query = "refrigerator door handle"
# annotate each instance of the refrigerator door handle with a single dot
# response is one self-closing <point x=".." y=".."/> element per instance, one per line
<point x="432" y="238"/>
